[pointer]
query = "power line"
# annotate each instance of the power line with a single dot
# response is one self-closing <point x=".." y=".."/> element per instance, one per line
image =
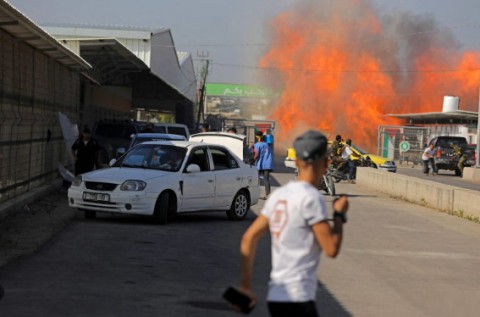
<point x="373" y="38"/>
<point x="347" y="71"/>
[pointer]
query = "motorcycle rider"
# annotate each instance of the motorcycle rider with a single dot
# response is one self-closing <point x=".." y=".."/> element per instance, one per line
<point x="336" y="152"/>
<point x="346" y="155"/>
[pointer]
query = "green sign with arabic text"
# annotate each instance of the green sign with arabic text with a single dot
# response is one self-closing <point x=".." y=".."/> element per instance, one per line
<point x="231" y="90"/>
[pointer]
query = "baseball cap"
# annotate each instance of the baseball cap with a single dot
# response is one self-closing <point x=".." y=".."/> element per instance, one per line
<point x="310" y="146"/>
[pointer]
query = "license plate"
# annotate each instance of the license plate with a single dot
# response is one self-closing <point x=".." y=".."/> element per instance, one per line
<point x="96" y="197"/>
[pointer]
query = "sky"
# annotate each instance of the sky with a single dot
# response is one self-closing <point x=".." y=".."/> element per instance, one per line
<point x="234" y="33"/>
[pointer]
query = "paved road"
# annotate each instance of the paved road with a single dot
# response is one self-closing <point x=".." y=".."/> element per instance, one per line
<point x="444" y="177"/>
<point x="398" y="259"/>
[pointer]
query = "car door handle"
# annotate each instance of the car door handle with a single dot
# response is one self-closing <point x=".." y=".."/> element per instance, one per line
<point x="210" y="180"/>
<point x="238" y="178"/>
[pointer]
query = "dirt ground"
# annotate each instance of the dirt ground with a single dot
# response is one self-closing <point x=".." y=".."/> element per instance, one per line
<point x="23" y="232"/>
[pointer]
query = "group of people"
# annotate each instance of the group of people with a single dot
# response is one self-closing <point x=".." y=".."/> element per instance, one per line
<point x="341" y="154"/>
<point x="428" y="158"/>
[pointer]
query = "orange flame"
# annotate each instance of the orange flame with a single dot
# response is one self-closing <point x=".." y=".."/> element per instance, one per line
<point x="341" y="68"/>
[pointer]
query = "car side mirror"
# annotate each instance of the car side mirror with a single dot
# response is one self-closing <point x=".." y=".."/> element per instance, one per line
<point x="112" y="162"/>
<point x="120" y="151"/>
<point x="193" y="168"/>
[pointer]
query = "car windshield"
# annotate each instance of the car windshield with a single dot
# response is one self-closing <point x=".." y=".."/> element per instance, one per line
<point x="154" y="156"/>
<point x="445" y="142"/>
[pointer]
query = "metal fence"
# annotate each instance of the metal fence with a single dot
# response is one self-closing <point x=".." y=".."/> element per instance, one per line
<point x="33" y="89"/>
<point x="402" y="144"/>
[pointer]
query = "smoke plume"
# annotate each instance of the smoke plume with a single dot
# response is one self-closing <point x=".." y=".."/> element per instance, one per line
<point x="342" y="66"/>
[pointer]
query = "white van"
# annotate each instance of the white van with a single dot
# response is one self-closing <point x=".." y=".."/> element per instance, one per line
<point x="172" y="128"/>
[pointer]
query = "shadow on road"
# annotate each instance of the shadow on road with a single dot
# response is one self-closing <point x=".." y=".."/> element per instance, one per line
<point x="328" y="305"/>
<point x="193" y="217"/>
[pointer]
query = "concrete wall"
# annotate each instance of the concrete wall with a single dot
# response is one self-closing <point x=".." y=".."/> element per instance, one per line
<point x="419" y="191"/>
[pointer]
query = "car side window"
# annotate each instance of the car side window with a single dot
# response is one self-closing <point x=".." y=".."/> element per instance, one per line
<point x="223" y="160"/>
<point x="199" y="157"/>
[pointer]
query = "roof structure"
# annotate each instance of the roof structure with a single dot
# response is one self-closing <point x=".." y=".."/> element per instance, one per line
<point x="111" y="60"/>
<point x="120" y="54"/>
<point x="448" y="117"/>
<point x="19" y="26"/>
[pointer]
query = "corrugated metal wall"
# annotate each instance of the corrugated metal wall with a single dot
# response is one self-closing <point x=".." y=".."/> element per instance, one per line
<point x="33" y="89"/>
<point x="141" y="48"/>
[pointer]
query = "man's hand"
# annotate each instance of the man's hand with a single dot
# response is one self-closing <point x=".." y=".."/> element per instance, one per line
<point x="248" y="293"/>
<point x="340" y="204"/>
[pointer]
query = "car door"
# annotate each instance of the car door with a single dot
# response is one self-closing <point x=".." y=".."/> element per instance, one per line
<point x="198" y="189"/>
<point x="228" y="176"/>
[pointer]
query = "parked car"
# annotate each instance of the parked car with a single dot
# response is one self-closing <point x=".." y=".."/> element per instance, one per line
<point x="445" y="157"/>
<point x="144" y="137"/>
<point x="377" y="161"/>
<point x="237" y="143"/>
<point x="172" y="128"/>
<point x="112" y="135"/>
<point x="162" y="178"/>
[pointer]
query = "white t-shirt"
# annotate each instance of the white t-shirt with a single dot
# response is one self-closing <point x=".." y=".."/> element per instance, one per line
<point x="429" y="152"/>
<point x="291" y="211"/>
<point x="347" y="151"/>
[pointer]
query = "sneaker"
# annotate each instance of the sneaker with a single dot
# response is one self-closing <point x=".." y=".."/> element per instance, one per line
<point x="351" y="181"/>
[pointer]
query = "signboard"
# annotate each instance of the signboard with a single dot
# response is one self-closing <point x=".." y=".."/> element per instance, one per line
<point x="404" y="146"/>
<point x="229" y="90"/>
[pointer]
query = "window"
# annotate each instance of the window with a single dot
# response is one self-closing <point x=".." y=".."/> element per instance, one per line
<point x="199" y="157"/>
<point x="223" y="160"/>
<point x="178" y="131"/>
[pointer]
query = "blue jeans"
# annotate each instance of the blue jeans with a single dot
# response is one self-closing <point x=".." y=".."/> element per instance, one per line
<point x="352" y="169"/>
<point x="425" y="166"/>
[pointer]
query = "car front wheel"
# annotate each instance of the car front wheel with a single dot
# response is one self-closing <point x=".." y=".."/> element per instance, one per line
<point x="161" y="208"/>
<point x="240" y="206"/>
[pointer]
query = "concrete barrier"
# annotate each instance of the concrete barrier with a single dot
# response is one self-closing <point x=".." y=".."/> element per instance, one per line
<point x="423" y="192"/>
<point x="471" y="174"/>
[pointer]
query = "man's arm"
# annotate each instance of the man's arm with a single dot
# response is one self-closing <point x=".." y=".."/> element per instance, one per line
<point x="247" y="251"/>
<point x="330" y="238"/>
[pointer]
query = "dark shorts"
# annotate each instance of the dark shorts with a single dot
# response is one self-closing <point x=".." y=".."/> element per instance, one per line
<point x="289" y="309"/>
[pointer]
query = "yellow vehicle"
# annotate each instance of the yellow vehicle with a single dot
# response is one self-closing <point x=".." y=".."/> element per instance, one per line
<point x="376" y="161"/>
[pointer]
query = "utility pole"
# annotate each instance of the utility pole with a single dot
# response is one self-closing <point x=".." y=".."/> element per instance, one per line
<point x="477" y="163"/>
<point x="203" y="80"/>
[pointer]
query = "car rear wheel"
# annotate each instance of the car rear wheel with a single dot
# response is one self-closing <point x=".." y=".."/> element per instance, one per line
<point x="240" y="206"/>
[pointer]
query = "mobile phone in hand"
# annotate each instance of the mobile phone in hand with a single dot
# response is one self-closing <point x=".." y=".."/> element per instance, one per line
<point x="237" y="298"/>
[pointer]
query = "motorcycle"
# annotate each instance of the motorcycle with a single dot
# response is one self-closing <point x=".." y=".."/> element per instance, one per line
<point x="339" y="172"/>
<point x="327" y="183"/>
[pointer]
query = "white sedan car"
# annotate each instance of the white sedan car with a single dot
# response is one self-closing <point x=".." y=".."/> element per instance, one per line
<point x="161" y="178"/>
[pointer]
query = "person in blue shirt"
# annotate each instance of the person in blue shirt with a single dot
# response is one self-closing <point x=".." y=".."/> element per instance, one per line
<point x="264" y="161"/>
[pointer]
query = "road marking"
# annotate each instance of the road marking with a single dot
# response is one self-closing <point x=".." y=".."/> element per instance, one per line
<point x="403" y="228"/>
<point x="416" y="254"/>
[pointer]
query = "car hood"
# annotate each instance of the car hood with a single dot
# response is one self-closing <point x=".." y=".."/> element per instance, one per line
<point x="118" y="175"/>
